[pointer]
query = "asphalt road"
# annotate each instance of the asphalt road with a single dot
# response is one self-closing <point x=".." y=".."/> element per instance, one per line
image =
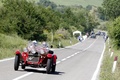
<point x="78" y="62"/>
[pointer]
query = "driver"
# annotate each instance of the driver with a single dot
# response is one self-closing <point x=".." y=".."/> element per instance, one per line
<point x="35" y="43"/>
<point x="31" y="46"/>
<point x="34" y="47"/>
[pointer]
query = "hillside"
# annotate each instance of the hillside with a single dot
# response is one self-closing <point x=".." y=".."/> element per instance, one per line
<point x="84" y="3"/>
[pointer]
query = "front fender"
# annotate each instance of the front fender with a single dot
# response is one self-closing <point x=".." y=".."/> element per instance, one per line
<point x="24" y="56"/>
<point x="54" y="59"/>
<point x="17" y="52"/>
<point x="49" y="55"/>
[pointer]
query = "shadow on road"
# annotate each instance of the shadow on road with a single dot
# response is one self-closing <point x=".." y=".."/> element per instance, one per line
<point x="57" y="73"/>
<point x="42" y="71"/>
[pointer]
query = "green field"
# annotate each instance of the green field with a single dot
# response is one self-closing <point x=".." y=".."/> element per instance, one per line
<point x="33" y="0"/>
<point x="84" y="3"/>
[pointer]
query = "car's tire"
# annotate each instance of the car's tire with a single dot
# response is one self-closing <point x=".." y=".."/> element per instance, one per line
<point x="53" y="68"/>
<point x="48" y="68"/>
<point x="23" y="66"/>
<point x="51" y="52"/>
<point x="16" y="62"/>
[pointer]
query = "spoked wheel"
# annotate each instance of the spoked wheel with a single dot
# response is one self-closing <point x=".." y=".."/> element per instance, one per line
<point x="16" y="62"/>
<point x="48" y="68"/>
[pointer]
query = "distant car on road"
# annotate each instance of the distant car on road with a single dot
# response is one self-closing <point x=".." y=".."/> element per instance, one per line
<point x="93" y="35"/>
<point x="98" y="33"/>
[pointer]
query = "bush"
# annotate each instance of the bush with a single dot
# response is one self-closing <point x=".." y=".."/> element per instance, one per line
<point x="114" y="32"/>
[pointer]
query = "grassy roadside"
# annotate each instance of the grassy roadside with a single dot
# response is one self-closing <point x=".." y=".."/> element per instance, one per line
<point x="63" y="43"/>
<point x="106" y="67"/>
<point x="8" y="44"/>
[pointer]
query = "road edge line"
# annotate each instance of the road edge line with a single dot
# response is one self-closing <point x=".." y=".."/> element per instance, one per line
<point x="7" y="59"/>
<point x="99" y="64"/>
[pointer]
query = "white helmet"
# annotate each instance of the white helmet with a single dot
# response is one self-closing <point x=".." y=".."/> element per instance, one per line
<point x="35" y="42"/>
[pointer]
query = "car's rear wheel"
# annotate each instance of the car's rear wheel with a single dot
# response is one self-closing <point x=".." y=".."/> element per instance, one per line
<point x="23" y="66"/>
<point x="16" y="62"/>
<point x="48" y="68"/>
<point x="53" y="68"/>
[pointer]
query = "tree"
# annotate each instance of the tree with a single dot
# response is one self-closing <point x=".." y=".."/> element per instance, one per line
<point x="47" y="3"/>
<point x="29" y="20"/>
<point x="102" y="14"/>
<point x="112" y="8"/>
<point x="114" y="31"/>
<point x="23" y="18"/>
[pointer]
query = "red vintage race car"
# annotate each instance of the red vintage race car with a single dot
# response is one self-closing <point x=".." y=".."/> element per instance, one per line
<point x="36" y="56"/>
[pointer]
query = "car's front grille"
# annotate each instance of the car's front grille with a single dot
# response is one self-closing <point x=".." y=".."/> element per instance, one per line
<point x="33" y="59"/>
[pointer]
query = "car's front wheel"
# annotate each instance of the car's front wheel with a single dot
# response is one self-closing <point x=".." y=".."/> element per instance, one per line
<point x="48" y="68"/>
<point x="16" y="62"/>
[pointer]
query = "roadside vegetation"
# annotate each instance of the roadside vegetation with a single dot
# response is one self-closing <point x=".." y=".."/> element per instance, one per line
<point x="31" y="21"/>
<point x="40" y="20"/>
<point x="8" y="45"/>
<point x="110" y="13"/>
<point x="107" y="64"/>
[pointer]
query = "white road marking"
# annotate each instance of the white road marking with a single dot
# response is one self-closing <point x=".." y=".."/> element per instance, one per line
<point x="90" y="45"/>
<point x="76" y="53"/>
<point x="94" y="77"/>
<point x="7" y="59"/>
<point x="58" y="62"/>
<point x="68" y="57"/>
<point x="72" y="55"/>
<point x="20" y="77"/>
<point x="64" y="59"/>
